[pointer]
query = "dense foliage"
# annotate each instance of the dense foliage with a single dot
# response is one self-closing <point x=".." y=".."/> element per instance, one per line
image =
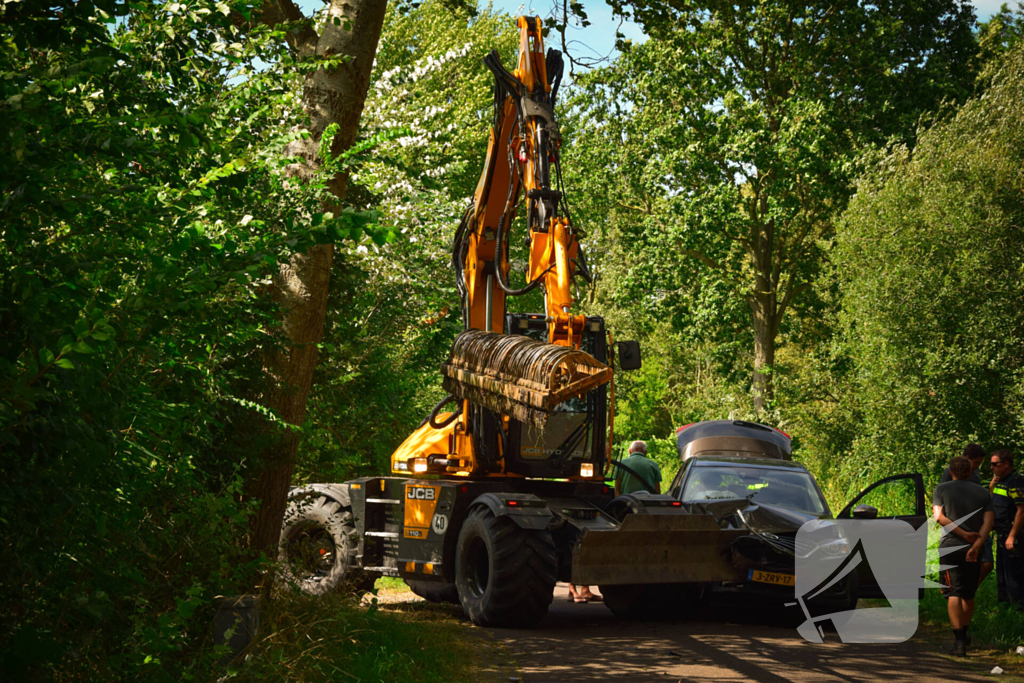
<point x="146" y="203"/>
<point x="723" y="149"/>
<point x="937" y="335"/>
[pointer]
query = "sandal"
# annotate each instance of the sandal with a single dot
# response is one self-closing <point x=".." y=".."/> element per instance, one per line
<point x="579" y="599"/>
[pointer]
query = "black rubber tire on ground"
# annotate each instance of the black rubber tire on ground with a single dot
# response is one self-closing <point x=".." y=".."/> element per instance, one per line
<point x="505" y="575"/>
<point x="683" y="600"/>
<point x="653" y="601"/>
<point x="843" y="602"/>
<point x="318" y="548"/>
<point x="435" y="591"/>
<point x="630" y="601"/>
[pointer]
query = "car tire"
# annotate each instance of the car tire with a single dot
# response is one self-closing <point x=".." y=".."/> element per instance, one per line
<point x="840" y="603"/>
<point x="318" y="548"/>
<point x="654" y="601"/>
<point x="683" y="600"/>
<point x="435" y="591"/>
<point x="628" y="601"/>
<point x="505" y="575"/>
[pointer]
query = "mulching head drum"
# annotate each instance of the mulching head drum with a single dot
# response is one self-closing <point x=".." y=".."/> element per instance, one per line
<point x="518" y="376"/>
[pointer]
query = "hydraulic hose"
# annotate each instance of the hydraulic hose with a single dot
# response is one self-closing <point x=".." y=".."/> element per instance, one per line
<point x="555" y="68"/>
<point x="499" y="252"/>
<point x="432" y="418"/>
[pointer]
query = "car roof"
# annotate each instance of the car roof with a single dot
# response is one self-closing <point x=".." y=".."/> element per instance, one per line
<point x="733" y="435"/>
<point x="727" y="461"/>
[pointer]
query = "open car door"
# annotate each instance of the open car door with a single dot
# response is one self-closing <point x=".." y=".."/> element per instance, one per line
<point x="898" y="497"/>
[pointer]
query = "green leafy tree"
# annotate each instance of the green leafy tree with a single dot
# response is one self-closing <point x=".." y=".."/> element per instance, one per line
<point x="146" y="205"/>
<point x="1000" y="34"/>
<point x="727" y="143"/>
<point x="343" y="38"/>
<point x="929" y="258"/>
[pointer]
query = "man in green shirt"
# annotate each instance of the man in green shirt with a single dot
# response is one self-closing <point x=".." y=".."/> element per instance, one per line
<point x="640" y="465"/>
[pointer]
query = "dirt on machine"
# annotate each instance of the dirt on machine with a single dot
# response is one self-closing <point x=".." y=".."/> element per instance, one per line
<point x="501" y="492"/>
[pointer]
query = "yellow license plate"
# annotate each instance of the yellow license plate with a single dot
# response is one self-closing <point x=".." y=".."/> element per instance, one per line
<point x="771" y="577"/>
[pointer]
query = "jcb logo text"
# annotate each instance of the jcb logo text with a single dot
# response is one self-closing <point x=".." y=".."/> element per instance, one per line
<point x="419" y="493"/>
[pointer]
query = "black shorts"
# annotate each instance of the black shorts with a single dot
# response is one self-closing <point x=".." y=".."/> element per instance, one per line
<point x="961" y="579"/>
<point x="986" y="550"/>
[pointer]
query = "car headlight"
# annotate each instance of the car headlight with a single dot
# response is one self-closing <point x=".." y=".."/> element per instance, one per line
<point x="838" y="547"/>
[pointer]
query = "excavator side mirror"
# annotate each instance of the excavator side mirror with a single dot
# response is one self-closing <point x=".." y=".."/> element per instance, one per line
<point x="629" y="355"/>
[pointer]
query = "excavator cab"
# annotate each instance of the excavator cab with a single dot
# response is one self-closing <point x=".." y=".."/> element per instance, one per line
<point x="573" y="441"/>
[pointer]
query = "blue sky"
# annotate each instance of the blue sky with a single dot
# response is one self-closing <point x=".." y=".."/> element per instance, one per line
<point x="598" y="39"/>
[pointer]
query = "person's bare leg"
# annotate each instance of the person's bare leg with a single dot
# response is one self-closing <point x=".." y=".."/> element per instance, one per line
<point x="955" y="607"/>
<point x="986" y="569"/>
<point x="573" y="595"/>
<point x="968" y="607"/>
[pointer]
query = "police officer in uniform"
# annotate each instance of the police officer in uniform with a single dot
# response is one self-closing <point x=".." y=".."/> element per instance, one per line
<point x="1007" y="489"/>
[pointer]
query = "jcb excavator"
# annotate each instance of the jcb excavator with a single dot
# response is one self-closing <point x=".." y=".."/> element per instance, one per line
<point x="503" y="494"/>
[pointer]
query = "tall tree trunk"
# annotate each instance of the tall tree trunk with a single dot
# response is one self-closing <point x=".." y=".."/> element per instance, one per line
<point x="763" y="300"/>
<point x="302" y="284"/>
<point x="768" y="302"/>
<point x="764" y="352"/>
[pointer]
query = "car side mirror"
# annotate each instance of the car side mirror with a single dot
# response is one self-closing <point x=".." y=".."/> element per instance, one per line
<point x="865" y="512"/>
<point x="629" y="355"/>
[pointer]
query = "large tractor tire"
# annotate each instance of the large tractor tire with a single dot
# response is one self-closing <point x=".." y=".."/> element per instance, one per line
<point x="505" y="575"/>
<point x="434" y="591"/>
<point x="318" y="548"/>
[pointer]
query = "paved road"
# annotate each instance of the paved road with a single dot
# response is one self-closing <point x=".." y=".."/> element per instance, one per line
<point x="580" y="643"/>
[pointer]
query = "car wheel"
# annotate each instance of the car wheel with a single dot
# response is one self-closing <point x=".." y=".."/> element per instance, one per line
<point x="654" y="601"/>
<point x="628" y="601"/>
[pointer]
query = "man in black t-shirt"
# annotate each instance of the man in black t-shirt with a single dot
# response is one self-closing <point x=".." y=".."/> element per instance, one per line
<point x="976" y="454"/>
<point x="1008" y="502"/>
<point x="965" y="512"/>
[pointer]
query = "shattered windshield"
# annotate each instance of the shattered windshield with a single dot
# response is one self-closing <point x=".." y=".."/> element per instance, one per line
<point x="791" y="489"/>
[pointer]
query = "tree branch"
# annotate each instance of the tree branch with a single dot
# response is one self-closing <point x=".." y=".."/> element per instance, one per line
<point x="791" y="292"/>
<point x="703" y="258"/>
<point x="303" y="39"/>
<point x="638" y="209"/>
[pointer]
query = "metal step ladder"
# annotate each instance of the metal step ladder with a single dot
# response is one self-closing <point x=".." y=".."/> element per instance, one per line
<point x="383" y="526"/>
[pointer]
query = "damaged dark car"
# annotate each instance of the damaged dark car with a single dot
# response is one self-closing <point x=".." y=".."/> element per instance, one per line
<point x="743" y="476"/>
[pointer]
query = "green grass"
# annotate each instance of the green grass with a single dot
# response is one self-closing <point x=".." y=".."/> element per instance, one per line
<point x="392" y="583"/>
<point x="334" y="638"/>
<point x="994" y="625"/>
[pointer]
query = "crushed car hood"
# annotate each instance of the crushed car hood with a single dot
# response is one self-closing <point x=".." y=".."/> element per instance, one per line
<point x="772" y="543"/>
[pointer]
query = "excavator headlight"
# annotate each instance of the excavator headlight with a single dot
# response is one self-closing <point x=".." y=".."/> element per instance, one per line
<point x="419" y="465"/>
<point x="587" y="469"/>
